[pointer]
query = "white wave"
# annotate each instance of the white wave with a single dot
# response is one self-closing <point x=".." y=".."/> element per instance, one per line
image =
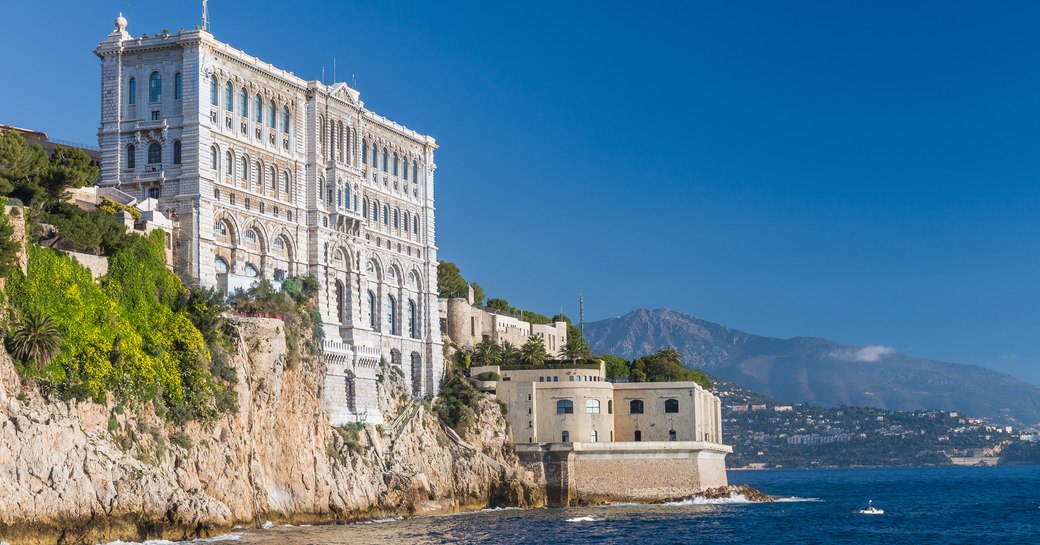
<point x="735" y="499"/>
<point x="589" y="518"/>
<point x="214" y="539"/>
<point x="268" y="525"/>
<point x="795" y="499"/>
<point x="383" y="520"/>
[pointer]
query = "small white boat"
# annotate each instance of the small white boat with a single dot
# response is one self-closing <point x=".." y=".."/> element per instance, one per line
<point x="871" y="510"/>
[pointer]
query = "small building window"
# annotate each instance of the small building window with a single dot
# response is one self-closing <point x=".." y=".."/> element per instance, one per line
<point x="220" y="228"/>
<point x="271" y="118"/>
<point x="594" y="437"/>
<point x="153" y="192"/>
<point x="592" y="406"/>
<point x="131" y="156"/>
<point x="154" y="87"/>
<point x="638" y="436"/>
<point x="229" y="97"/>
<point x="391" y="309"/>
<point x="259" y="107"/>
<point x="229" y="163"/>
<point x="220" y="265"/>
<point x="385" y="161"/>
<point x="671" y="435"/>
<point x="371" y="309"/>
<point x="364" y="151"/>
<point x="671" y="406"/>
<point x="564" y="406"/>
<point x="541" y="379"/>
<point x="154" y="153"/>
<point x="243" y="102"/>
<point x="566" y="437"/>
<point x="213" y="90"/>
<point x="415" y="171"/>
<point x="251" y="271"/>
<point x="251" y="236"/>
<point x="395" y="163"/>
<point x="131" y="91"/>
<point x="375" y="155"/>
<point x="176" y="152"/>
<point x="556" y="379"/>
<point x="636" y="406"/>
<point x="610" y="406"/>
<point x="178" y="86"/>
<point x="285" y="119"/>
<point x="405" y="168"/>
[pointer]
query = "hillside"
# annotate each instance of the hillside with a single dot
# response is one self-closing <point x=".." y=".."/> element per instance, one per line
<point x="820" y="371"/>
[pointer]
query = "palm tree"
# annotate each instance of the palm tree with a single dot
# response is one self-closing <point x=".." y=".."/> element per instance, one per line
<point x="533" y="351"/>
<point x="36" y="339"/>
<point x="510" y="354"/>
<point x="575" y="349"/>
<point x="487" y="352"/>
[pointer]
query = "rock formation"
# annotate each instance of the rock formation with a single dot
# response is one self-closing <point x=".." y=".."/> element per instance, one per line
<point x="89" y="473"/>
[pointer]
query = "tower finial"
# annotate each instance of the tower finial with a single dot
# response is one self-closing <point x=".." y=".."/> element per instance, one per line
<point x="120" y="22"/>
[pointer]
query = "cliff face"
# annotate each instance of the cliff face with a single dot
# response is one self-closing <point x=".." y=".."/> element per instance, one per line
<point x="93" y="473"/>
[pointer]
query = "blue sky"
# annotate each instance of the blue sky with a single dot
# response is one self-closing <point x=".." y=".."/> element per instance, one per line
<point x="865" y="172"/>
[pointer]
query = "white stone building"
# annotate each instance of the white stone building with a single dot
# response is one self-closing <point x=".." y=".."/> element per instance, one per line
<point x="266" y="174"/>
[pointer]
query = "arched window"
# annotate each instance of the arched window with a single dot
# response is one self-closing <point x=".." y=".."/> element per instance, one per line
<point x="371" y="309"/>
<point x="279" y="243"/>
<point x="214" y="160"/>
<point x="671" y="405"/>
<point x="131" y="156"/>
<point x="229" y="97"/>
<point x="391" y="309"/>
<point x="672" y="436"/>
<point x="364" y="151"/>
<point x="321" y="134"/>
<point x="564" y="406"/>
<point x="375" y="211"/>
<point x="271" y="178"/>
<point x="395" y="163"/>
<point x="285" y="182"/>
<point x="271" y="119"/>
<point x="375" y="155"/>
<point x="213" y="90"/>
<point x="346" y="197"/>
<point x="321" y="188"/>
<point x="251" y="236"/>
<point x="243" y="102"/>
<point x="176" y="152"/>
<point x="386" y="215"/>
<point x="386" y="163"/>
<point x="154" y="87"/>
<point x="636" y="406"/>
<point x="593" y="436"/>
<point x="229" y="163"/>
<point x="566" y="437"/>
<point x="259" y="176"/>
<point x="396" y="215"/>
<point x="245" y="170"/>
<point x="259" y="106"/>
<point x="364" y="207"/>
<point x="251" y="271"/>
<point x="131" y="91"/>
<point x="220" y="265"/>
<point x="285" y="119"/>
<point x="592" y="406"/>
<point x="220" y="228"/>
<point x="556" y="379"/>
<point x="404" y="223"/>
<point x="638" y="436"/>
<point x="339" y="302"/>
<point x="178" y="86"/>
<point x="413" y="330"/>
<point x="154" y="153"/>
<point x="415" y="225"/>
<point x="340" y="146"/>
<point x="415" y="171"/>
<point x="405" y="168"/>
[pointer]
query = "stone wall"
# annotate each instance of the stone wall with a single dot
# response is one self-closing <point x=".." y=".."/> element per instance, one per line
<point x="601" y="473"/>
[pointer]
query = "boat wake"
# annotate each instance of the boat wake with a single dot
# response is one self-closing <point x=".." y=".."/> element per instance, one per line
<point x="588" y="518"/>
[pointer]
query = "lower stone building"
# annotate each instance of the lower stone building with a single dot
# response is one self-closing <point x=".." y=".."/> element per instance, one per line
<point x="594" y="441"/>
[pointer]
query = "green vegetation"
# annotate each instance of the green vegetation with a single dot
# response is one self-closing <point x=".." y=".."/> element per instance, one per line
<point x="665" y="366"/>
<point x="489" y="375"/>
<point x="8" y="247"/>
<point x="295" y="304"/>
<point x="533" y="351"/>
<point x="616" y="367"/>
<point x="458" y="400"/>
<point x="35" y="339"/>
<point x="131" y="335"/>
<point x="452" y="285"/>
<point x="27" y="173"/>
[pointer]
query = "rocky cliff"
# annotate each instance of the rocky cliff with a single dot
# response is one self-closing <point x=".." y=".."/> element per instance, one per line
<point x="88" y="473"/>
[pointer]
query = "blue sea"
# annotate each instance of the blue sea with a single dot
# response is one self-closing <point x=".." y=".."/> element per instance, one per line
<point x="950" y="505"/>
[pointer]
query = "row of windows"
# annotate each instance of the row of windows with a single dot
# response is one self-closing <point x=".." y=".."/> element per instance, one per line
<point x="155" y="88"/>
<point x="244" y="104"/>
<point x="154" y="154"/>
<point x="268" y="175"/>
<point x="565" y="436"/>
<point x="391" y="312"/>
<point x="247" y="204"/>
<point x="399" y="165"/>
<point x="249" y="270"/>
<point x="572" y="378"/>
<point x="566" y="406"/>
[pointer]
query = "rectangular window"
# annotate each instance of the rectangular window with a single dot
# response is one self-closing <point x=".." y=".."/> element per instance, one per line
<point x="155" y="115"/>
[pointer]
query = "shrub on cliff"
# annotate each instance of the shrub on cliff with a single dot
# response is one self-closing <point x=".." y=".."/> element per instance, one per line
<point x="126" y="335"/>
<point x="457" y="402"/>
<point x="295" y="303"/>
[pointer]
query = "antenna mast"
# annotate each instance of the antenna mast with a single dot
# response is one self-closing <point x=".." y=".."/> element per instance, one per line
<point x="581" y="313"/>
<point x="205" y="16"/>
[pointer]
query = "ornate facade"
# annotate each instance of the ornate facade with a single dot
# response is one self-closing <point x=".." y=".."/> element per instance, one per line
<point x="268" y="175"/>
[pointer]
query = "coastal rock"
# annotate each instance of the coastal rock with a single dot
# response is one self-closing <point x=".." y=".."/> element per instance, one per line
<point x="722" y="492"/>
<point x="90" y="473"/>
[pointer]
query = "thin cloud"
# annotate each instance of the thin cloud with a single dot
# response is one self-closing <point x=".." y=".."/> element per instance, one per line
<point x="869" y="353"/>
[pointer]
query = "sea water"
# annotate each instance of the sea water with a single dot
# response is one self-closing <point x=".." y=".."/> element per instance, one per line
<point x="950" y="505"/>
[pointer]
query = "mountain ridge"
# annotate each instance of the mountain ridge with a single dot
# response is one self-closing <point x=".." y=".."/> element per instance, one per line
<point x="818" y="370"/>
